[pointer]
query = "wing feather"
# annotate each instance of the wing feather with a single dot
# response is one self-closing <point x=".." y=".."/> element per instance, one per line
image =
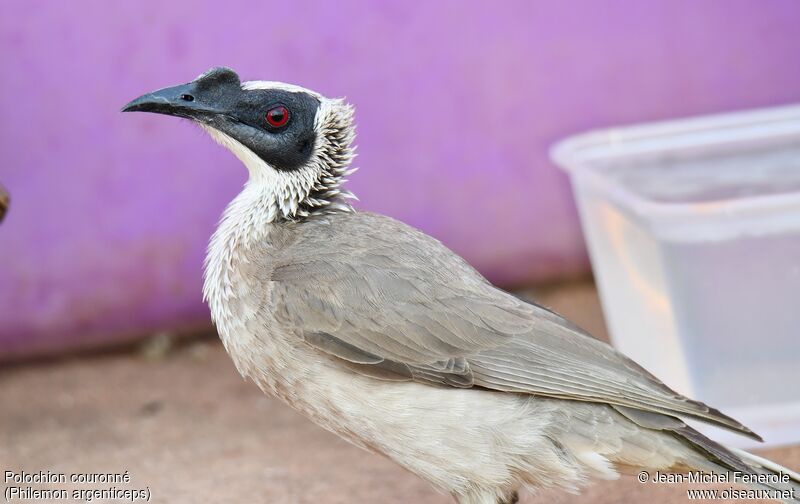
<point x="394" y="303"/>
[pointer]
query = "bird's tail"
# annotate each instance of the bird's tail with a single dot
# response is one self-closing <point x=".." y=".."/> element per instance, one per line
<point x="784" y="482"/>
<point x="763" y="478"/>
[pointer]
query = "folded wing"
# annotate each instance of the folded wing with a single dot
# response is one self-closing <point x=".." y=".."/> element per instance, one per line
<point x="394" y="303"/>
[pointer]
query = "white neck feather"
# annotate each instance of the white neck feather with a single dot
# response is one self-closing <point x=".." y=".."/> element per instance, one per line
<point x="314" y="188"/>
<point x="246" y="220"/>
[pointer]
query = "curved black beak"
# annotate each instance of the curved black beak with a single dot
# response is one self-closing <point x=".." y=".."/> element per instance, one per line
<point x="204" y="99"/>
<point x="178" y="101"/>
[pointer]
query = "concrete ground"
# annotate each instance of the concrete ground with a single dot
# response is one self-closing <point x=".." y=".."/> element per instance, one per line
<point x="188" y="428"/>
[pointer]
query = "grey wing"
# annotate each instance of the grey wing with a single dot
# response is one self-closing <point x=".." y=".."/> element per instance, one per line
<point x="394" y="303"/>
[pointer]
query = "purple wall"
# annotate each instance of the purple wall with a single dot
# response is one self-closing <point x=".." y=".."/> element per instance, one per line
<point x="456" y="102"/>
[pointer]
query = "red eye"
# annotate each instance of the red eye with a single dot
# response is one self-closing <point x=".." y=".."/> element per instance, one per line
<point x="278" y="117"/>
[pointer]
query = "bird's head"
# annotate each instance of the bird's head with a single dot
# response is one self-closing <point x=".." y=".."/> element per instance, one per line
<point x="294" y="142"/>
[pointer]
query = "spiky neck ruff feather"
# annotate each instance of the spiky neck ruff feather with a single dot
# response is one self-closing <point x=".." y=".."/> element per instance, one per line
<point x="312" y="189"/>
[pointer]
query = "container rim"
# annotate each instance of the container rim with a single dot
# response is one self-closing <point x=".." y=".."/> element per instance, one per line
<point x="577" y="155"/>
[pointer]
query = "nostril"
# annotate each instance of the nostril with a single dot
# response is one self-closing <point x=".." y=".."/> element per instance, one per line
<point x="187" y="97"/>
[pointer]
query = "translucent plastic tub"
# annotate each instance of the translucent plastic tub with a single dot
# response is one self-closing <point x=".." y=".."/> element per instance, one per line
<point x="693" y="228"/>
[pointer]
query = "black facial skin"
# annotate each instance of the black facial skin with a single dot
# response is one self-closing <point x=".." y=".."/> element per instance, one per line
<point x="217" y="100"/>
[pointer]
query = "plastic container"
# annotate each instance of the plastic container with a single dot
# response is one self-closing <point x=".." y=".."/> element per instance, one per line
<point x="693" y="229"/>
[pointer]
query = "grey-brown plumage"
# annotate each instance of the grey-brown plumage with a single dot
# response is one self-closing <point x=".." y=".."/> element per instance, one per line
<point x="395" y="304"/>
<point x="378" y="293"/>
<point x="391" y="303"/>
<point x="382" y="335"/>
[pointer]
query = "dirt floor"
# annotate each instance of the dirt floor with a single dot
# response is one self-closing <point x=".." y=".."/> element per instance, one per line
<point x="186" y="427"/>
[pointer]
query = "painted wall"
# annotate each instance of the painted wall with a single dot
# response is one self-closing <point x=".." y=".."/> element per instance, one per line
<point x="457" y="103"/>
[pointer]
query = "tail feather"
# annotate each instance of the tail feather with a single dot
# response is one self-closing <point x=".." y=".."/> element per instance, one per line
<point x="761" y="462"/>
<point x="760" y="465"/>
<point x="710" y="455"/>
<point x="783" y="483"/>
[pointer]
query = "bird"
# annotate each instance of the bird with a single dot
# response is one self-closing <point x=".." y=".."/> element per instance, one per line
<point x="380" y="334"/>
